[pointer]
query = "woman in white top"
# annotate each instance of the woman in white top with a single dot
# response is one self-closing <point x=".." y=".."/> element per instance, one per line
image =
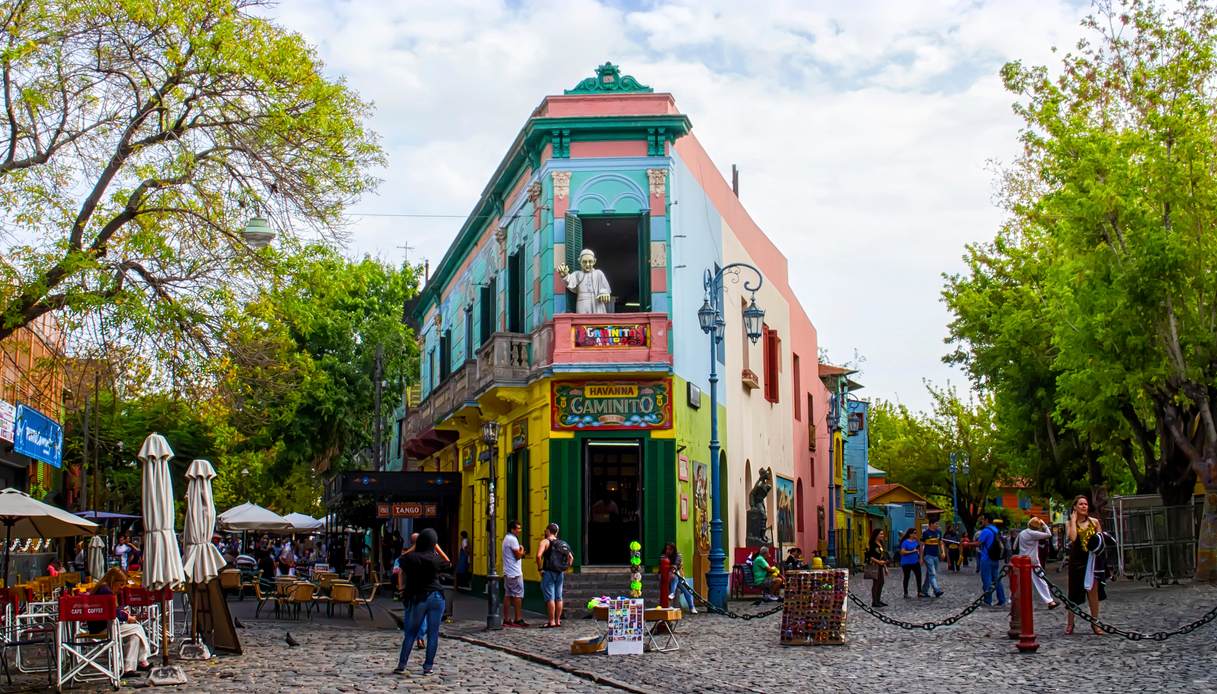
<point x="1029" y="546"/>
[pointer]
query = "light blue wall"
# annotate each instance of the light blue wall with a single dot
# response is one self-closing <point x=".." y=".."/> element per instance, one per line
<point x="697" y="244"/>
<point x="857" y="455"/>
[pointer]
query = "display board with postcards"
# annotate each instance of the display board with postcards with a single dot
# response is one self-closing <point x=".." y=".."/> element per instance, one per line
<point x="626" y="622"/>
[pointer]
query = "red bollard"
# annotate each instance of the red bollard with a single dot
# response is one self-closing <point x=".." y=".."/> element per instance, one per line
<point x="1026" y="636"/>
<point x="1016" y="602"/>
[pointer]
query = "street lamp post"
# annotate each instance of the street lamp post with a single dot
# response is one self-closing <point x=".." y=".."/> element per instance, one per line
<point x="710" y="317"/>
<point x="494" y="619"/>
<point x="954" y="487"/>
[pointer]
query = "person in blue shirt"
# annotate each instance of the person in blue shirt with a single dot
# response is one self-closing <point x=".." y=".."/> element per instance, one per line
<point x="910" y="560"/>
<point x="990" y="569"/>
<point x="931" y="552"/>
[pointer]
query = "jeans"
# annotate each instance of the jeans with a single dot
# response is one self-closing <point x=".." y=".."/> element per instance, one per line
<point x="911" y="570"/>
<point x="678" y="582"/>
<point x="429" y="610"/>
<point x="931" y="575"/>
<point x="990" y="571"/>
<point x="551" y="585"/>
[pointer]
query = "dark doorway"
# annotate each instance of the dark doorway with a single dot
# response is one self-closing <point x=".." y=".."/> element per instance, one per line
<point x="613" y="500"/>
<point x="518" y="491"/>
<point x="622" y="246"/>
<point x="515" y="294"/>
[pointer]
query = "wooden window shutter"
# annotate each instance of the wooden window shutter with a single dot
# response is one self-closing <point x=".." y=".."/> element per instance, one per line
<point x="574" y="240"/>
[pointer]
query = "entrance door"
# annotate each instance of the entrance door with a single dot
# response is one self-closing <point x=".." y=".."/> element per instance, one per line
<point x="613" y="500"/>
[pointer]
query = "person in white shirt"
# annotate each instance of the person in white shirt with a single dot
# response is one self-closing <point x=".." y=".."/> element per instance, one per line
<point x="513" y="575"/>
<point x="1029" y="546"/>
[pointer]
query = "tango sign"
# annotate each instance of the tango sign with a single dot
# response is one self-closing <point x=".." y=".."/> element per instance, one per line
<point x="616" y="405"/>
<point x="406" y="509"/>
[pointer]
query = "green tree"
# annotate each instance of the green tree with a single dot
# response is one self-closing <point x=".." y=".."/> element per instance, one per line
<point x="136" y="139"/>
<point x="298" y="376"/>
<point x="915" y="449"/>
<point x="1116" y="192"/>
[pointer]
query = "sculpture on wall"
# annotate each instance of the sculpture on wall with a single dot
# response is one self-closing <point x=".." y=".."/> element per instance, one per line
<point x="591" y="287"/>
<point x="758" y="521"/>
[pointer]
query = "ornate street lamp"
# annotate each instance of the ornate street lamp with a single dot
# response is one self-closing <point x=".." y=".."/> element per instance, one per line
<point x="258" y="233"/>
<point x="710" y="318"/>
<point x="494" y="619"/>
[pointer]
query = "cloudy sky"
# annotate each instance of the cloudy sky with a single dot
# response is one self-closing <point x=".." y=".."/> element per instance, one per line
<point x="866" y="133"/>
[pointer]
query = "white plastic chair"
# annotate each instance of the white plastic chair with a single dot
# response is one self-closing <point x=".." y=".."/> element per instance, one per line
<point x="85" y="656"/>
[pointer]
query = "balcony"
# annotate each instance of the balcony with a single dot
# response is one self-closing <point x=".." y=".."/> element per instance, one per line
<point x="610" y="338"/>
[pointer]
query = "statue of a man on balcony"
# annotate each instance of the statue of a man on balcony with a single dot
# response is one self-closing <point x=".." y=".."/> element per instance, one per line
<point x="591" y="287"/>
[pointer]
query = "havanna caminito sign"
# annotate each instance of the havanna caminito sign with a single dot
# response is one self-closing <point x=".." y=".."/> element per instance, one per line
<point x="611" y="405"/>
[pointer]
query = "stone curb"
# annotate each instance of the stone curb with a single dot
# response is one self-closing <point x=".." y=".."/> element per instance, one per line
<point x="532" y="657"/>
<point x="540" y="660"/>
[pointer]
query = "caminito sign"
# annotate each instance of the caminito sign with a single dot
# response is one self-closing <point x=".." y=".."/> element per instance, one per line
<point x="612" y="405"/>
<point x="610" y="336"/>
<point x="407" y="509"/>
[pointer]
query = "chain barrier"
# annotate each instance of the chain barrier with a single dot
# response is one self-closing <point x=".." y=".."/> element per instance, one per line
<point x="726" y="613"/>
<point x="930" y="626"/>
<point x="1111" y="629"/>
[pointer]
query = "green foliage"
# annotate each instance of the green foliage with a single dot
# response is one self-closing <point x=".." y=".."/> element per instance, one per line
<point x="293" y="392"/>
<point x="1092" y="316"/>
<point x="136" y="139"/>
<point x="915" y="449"/>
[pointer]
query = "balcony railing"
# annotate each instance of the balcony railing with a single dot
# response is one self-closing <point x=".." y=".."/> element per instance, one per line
<point x="513" y="359"/>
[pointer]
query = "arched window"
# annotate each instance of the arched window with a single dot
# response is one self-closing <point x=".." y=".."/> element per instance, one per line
<point x="798" y="504"/>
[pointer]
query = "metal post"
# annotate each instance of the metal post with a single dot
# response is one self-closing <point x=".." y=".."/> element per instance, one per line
<point x="717" y="578"/>
<point x="710" y="318"/>
<point x="954" y="492"/>
<point x="832" y="498"/>
<point x="1026" y="638"/>
<point x="494" y="619"/>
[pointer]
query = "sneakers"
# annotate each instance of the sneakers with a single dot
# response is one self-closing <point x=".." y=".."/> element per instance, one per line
<point x="399" y="669"/>
<point x="939" y="594"/>
<point x="692" y="610"/>
<point x="671" y="596"/>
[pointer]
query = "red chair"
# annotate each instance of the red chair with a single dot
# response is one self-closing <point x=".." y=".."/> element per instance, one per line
<point x="147" y="606"/>
<point x="85" y="655"/>
<point x="742" y="583"/>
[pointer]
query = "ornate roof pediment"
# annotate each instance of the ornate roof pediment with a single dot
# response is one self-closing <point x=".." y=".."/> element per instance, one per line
<point x="609" y="79"/>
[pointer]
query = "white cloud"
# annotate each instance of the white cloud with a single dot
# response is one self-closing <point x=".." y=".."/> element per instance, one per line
<point x="862" y="129"/>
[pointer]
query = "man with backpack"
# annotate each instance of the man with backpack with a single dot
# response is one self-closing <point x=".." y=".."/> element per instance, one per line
<point x="553" y="559"/>
<point x="990" y="553"/>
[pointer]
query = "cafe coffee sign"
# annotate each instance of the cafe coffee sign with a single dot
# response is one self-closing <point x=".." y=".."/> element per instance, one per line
<point x="611" y="405"/>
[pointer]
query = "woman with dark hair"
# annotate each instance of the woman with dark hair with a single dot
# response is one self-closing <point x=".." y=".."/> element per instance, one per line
<point x="423" y="597"/>
<point x="677" y="582"/>
<point x="910" y="560"/>
<point x="1085" y="541"/>
<point x="876" y="558"/>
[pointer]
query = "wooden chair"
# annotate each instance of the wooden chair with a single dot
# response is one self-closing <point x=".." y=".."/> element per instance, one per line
<point x="70" y="578"/>
<point x="301" y="594"/>
<point x="343" y="594"/>
<point x="230" y="580"/>
<point x="264" y="598"/>
<point x="366" y="602"/>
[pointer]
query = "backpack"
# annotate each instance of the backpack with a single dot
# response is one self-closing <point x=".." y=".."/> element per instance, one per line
<point x="997" y="550"/>
<point x="557" y="556"/>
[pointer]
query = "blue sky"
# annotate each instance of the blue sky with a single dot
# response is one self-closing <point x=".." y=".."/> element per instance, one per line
<point x="867" y="134"/>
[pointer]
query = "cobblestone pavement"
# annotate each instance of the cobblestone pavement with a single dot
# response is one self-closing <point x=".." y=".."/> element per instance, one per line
<point x="333" y="658"/>
<point x="725" y="655"/>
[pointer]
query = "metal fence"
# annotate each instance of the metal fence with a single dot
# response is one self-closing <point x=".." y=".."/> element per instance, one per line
<point x="1156" y="542"/>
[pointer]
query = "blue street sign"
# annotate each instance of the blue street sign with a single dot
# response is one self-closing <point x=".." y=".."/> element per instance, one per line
<point x="38" y="436"/>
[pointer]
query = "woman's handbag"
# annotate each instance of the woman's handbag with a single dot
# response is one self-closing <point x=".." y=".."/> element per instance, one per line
<point x="871" y="572"/>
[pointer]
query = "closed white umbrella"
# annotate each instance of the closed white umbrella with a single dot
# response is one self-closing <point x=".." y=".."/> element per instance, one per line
<point x="201" y="560"/>
<point x="24" y="516"/>
<point x="303" y="523"/>
<point x="162" y="559"/>
<point x="249" y="516"/>
<point x="97" y="557"/>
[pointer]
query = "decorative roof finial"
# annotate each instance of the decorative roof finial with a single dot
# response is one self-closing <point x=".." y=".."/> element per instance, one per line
<point x="609" y="79"/>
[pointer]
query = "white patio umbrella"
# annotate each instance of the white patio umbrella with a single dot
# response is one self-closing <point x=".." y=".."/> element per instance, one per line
<point x="303" y="523"/>
<point x="162" y="558"/>
<point x="97" y="557"/>
<point x="250" y="516"/>
<point x="202" y="561"/>
<point x="24" y="516"/>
